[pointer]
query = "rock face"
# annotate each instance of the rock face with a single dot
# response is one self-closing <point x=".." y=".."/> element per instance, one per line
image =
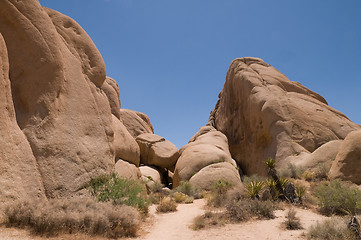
<point x="155" y="150"/>
<point x="264" y="114"/>
<point x="63" y="104"/>
<point x="127" y="170"/>
<point x="347" y="165"/>
<point x="206" y="159"/>
<point x="19" y="176"/>
<point x="136" y="122"/>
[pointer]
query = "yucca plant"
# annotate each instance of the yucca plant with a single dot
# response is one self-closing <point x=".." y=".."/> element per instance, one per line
<point x="270" y="163"/>
<point x="254" y="188"/>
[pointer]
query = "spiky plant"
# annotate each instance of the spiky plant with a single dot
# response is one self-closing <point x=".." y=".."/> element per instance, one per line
<point x="254" y="188"/>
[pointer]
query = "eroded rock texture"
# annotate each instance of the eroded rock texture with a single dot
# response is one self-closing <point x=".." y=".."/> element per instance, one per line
<point x="19" y="176"/>
<point x="264" y="114"/>
<point x="205" y="160"/>
<point x="347" y="165"/>
<point x="56" y="75"/>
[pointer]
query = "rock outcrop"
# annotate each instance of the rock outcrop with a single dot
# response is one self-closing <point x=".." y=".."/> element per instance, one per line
<point x="136" y="122"/>
<point x="155" y="150"/>
<point x="347" y="165"/>
<point x="19" y="176"/>
<point x="206" y="159"/>
<point x="264" y="114"/>
<point x="63" y="104"/>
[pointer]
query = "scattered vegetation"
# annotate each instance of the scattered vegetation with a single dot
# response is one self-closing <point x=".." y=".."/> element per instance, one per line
<point x="330" y="229"/>
<point x="187" y="188"/>
<point x="83" y="215"/>
<point x="292" y="221"/>
<point x="209" y="219"/>
<point x="218" y="194"/>
<point x="179" y="197"/>
<point x="336" y="198"/>
<point x="244" y="209"/>
<point x="254" y="188"/>
<point x="167" y="204"/>
<point x="120" y="191"/>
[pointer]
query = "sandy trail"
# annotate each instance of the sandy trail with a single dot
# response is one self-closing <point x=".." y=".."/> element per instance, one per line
<point x="175" y="226"/>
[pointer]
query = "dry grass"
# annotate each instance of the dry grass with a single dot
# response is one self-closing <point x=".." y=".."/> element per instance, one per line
<point x="331" y="229"/>
<point x="209" y="219"/>
<point x="292" y="221"/>
<point x="167" y="204"/>
<point x="76" y="215"/>
<point x="244" y="209"/>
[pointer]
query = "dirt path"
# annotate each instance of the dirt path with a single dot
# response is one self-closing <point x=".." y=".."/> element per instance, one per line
<point x="175" y="226"/>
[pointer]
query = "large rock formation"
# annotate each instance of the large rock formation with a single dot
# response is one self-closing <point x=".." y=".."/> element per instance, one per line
<point x="205" y="160"/>
<point x="264" y="114"/>
<point x="61" y="104"/>
<point x="19" y="176"/>
<point x="136" y="122"/>
<point x="156" y="151"/>
<point x="347" y="165"/>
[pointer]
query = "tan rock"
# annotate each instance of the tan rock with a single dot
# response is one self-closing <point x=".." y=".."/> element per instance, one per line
<point x="155" y="150"/>
<point x="111" y="89"/>
<point x="124" y="145"/>
<point x="323" y="156"/>
<point x="128" y="170"/>
<point x="136" y="122"/>
<point x="347" y="165"/>
<point x="19" y="176"/>
<point x="210" y="174"/>
<point x="56" y="74"/>
<point x="264" y="114"/>
<point x="150" y="173"/>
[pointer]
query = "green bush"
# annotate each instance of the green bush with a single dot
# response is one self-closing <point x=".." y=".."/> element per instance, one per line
<point x="218" y="194"/>
<point x="187" y="188"/>
<point x="337" y="198"/>
<point x="83" y="215"/>
<point x="254" y="188"/>
<point x="330" y="229"/>
<point x="120" y="191"/>
<point x="179" y="197"/>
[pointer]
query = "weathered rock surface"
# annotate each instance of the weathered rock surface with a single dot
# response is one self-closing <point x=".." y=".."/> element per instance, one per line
<point x="155" y="150"/>
<point x="127" y="170"/>
<point x="322" y="157"/>
<point x="264" y="114"/>
<point x="56" y="75"/>
<point x="111" y="89"/>
<point x="347" y="165"/>
<point x="19" y="176"/>
<point x="206" y="177"/>
<point x="207" y="147"/>
<point x="136" y="122"/>
<point x="124" y="145"/>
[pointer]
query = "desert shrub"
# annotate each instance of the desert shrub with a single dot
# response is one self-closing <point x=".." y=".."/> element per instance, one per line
<point x="295" y="171"/>
<point x="189" y="200"/>
<point x="308" y="175"/>
<point x="254" y="188"/>
<point x="337" y="198"/>
<point x="120" y="191"/>
<point x="292" y="221"/>
<point x="218" y="194"/>
<point x="209" y="219"/>
<point x="167" y="204"/>
<point x="179" y="197"/>
<point x="156" y="187"/>
<point x="73" y="215"/>
<point x="187" y="188"/>
<point x="321" y="171"/>
<point x="330" y="229"/>
<point x="245" y="208"/>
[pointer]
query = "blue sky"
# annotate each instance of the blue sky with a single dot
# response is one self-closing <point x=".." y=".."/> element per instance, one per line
<point x="170" y="58"/>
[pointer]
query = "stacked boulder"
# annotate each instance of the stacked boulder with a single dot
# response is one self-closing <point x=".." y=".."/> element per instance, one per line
<point x="205" y="160"/>
<point x="264" y="114"/>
